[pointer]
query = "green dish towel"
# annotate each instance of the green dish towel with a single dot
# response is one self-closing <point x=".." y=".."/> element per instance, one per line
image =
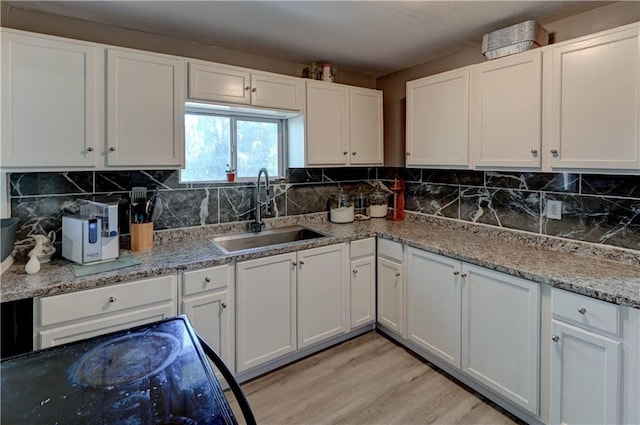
<point x="125" y="260"/>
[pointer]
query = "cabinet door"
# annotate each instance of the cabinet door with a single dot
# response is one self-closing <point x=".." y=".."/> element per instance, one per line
<point x="266" y="309"/>
<point x="145" y="109"/>
<point x="102" y="325"/>
<point x="433" y="304"/>
<point x="51" y="101"/>
<point x="506" y="117"/>
<point x="363" y="291"/>
<point x="327" y="124"/>
<point x="391" y="295"/>
<point x="322" y="293"/>
<point x="438" y="120"/>
<point x="211" y="317"/>
<point x="219" y="83"/>
<point x="501" y="333"/>
<point x="279" y="92"/>
<point x="585" y="373"/>
<point x="593" y="94"/>
<point x="366" y="128"/>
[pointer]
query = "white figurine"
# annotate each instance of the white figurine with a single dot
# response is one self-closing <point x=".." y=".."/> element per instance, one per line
<point x="33" y="265"/>
<point x="44" y="248"/>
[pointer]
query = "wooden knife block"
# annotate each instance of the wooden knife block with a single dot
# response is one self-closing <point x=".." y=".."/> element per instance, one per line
<point x="141" y="236"/>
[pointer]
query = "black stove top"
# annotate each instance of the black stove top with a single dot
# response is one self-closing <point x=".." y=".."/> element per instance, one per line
<point x="152" y="374"/>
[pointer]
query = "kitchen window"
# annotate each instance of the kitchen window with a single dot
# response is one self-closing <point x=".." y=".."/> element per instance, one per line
<point x="216" y="141"/>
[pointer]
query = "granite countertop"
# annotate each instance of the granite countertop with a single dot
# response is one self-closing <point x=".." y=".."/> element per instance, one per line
<point x="601" y="272"/>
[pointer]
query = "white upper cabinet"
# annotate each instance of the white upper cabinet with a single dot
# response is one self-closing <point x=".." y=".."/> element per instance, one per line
<point x="506" y="111"/>
<point x="592" y="102"/>
<point x="343" y="125"/>
<point x="438" y="120"/>
<point x="327" y="124"/>
<point x="51" y="101"/>
<point x="230" y="84"/>
<point x="365" y="126"/>
<point x="277" y="91"/>
<point x="145" y="109"/>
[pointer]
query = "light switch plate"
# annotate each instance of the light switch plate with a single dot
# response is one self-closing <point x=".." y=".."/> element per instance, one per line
<point x="554" y="210"/>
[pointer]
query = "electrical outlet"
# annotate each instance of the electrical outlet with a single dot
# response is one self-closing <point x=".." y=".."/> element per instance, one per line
<point x="554" y="210"/>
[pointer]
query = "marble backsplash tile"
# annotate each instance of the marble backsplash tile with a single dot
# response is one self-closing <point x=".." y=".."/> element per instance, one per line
<point x="596" y="208"/>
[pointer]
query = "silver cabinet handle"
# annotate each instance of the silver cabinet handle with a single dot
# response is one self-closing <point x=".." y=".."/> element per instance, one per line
<point x="397" y="274"/>
<point x="247" y="88"/>
<point x="207" y="279"/>
<point x="293" y="263"/>
<point x="301" y="262"/>
<point x="407" y="154"/>
<point x="355" y="271"/>
<point x="354" y="153"/>
<point x="463" y="275"/>
<point x="112" y="299"/>
<point x="112" y="149"/>
<point x="534" y="152"/>
<point x="555" y="338"/>
<point x="89" y="149"/>
<point x="456" y="273"/>
<point x="253" y="90"/>
<point x="345" y="153"/>
<point x="582" y="310"/>
<point x="554" y="152"/>
<point x="224" y="305"/>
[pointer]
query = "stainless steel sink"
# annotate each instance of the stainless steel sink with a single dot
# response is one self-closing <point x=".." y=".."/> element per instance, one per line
<point x="241" y="241"/>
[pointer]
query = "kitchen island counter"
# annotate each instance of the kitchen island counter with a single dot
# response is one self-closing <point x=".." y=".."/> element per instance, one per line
<point x="601" y="272"/>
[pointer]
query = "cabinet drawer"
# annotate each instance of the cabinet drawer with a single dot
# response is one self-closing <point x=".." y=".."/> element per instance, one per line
<point x="111" y="299"/>
<point x="205" y="280"/>
<point x="585" y="311"/>
<point x="362" y="248"/>
<point x="389" y="249"/>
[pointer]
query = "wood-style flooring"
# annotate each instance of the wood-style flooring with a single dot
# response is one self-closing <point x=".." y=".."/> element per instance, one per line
<point x="367" y="380"/>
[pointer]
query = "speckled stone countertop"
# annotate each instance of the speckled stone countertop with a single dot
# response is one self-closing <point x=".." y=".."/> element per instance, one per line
<point x="606" y="273"/>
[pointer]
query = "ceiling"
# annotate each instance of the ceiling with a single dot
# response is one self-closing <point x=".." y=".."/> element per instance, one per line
<point x="373" y="38"/>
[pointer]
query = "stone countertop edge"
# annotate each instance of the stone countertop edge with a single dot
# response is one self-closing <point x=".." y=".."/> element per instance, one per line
<point x="600" y="272"/>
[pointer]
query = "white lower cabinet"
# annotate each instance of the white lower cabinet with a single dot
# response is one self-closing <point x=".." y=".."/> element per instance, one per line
<point x="289" y="301"/>
<point x="585" y="361"/>
<point x="483" y="322"/>
<point x="390" y="311"/>
<point x="60" y="319"/>
<point x="266" y="309"/>
<point x="434" y="291"/>
<point x="322" y="293"/>
<point x="207" y="299"/>
<point x="362" y="296"/>
<point x="501" y="333"/>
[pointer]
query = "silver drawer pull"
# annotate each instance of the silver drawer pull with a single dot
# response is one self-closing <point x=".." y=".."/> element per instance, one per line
<point x="293" y="263"/>
<point x="224" y="305"/>
<point x="207" y="279"/>
<point x="456" y="273"/>
<point x="555" y="338"/>
<point x="582" y="310"/>
<point x="463" y="275"/>
<point x="397" y="274"/>
<point x="355" y="271"/>
<point x="112" y="299"/>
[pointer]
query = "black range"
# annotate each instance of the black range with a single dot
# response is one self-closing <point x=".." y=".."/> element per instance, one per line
<point x="151" y="374"/>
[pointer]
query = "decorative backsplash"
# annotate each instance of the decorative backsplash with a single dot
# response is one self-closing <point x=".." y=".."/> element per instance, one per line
<point x="595" y="208"/>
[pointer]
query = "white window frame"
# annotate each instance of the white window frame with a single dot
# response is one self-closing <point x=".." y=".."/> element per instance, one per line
<point x="236" y="116"/>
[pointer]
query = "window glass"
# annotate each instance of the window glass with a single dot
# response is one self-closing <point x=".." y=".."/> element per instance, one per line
<point x="207" y="147"/>
<point x="215" y="142"/>
<point x="257" y="147"/>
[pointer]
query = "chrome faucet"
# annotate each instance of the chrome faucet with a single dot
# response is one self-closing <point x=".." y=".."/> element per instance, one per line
<point x="257" y="225"/>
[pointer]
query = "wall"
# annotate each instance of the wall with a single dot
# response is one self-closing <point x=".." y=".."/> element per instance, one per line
<point x="30" y="20"/>
<point x="393" y="85"/>
<point x="596" y="208"/>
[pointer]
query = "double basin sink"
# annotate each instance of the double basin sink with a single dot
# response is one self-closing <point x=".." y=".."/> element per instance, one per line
<point x="249" y="240"/>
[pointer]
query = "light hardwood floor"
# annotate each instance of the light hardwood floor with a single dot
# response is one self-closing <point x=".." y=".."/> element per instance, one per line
<point x="367" y="380"/>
